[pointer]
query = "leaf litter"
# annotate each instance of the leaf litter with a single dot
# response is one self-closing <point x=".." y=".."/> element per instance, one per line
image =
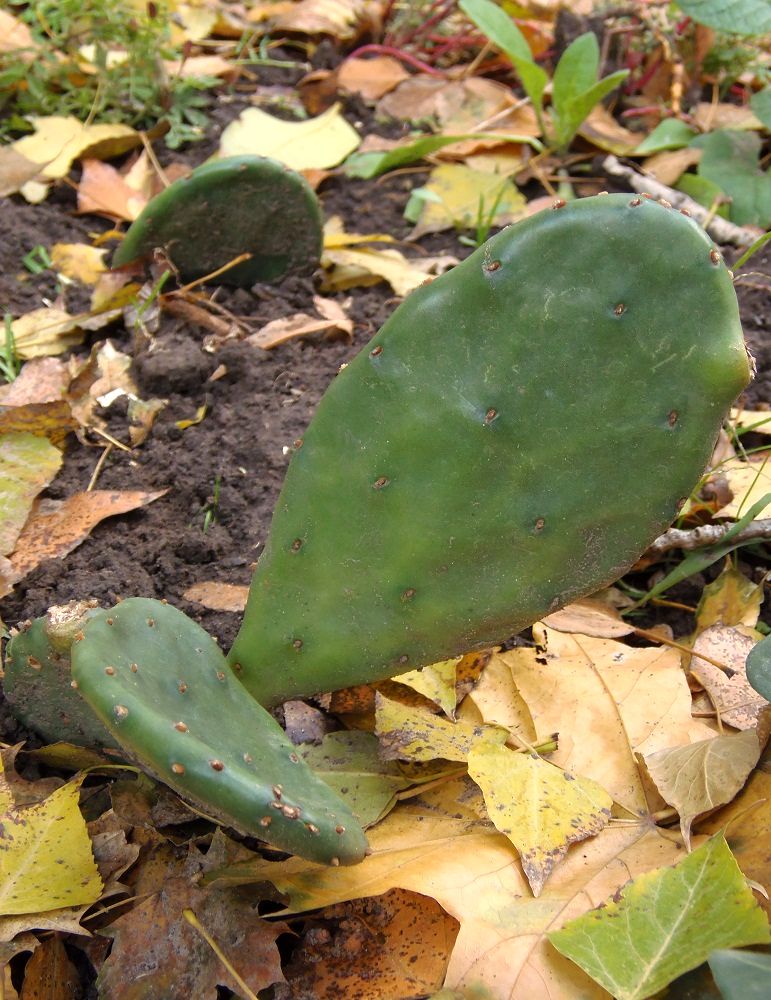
<point x="595" y="705"/>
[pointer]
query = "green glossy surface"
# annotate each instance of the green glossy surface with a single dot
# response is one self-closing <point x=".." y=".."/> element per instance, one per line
<point x="161" y="685"/>
<point x="513" y="438"/>
<point x="236" y="205"/>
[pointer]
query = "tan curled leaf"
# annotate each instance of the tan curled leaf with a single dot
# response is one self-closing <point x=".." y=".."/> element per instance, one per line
<point x="28" y="463"/>
<point x="57" y="141"/>
<point x="589" y="617"/>
<point x="410" y="733"/>
<point x="56" y="527"/>
<point x="702" y="776"/>
<point x="218" y="596"/>
<point x="540" y="808"/>
<point x="15" y="170"/>
<point x="737" y="703"/>
<point x="103" y="190"/>
<point x="46" y="861"/>
<point x="278" y="331"/>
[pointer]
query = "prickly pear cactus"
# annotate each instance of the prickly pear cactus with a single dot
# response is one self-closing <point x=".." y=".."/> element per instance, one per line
<point x="513" y="438"/>
<point x="239" y="204"/>
<point x="37" y="680"/>
<point x="161" y="686"/>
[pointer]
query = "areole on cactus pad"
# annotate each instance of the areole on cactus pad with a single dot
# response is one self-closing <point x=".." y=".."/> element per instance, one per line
<point x="513" y="438"/>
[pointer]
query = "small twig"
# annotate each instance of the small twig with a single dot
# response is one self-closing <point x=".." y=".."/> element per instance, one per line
<point x="110" y="438"/>
<point x="194" y="922"/>
<point x="99" y="465"/>
<point x="722" y="230"/>
<point x="154" y="160"/>
<point x="709" y="534"/>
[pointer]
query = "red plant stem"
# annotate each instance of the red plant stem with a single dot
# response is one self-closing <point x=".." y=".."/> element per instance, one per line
<point x="389" y="50"/>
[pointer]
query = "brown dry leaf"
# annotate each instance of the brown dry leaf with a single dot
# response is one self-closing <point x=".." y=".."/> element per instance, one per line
<point x="455" y="105"/>
<point x="604" y="697"/>
<point x="158" y="955"/>
<point x="278" y="331"/>
<point x="343" y="19"/>
<point x="78" y="261"/>
<point x="45" y="331"/>
<point x="56" y="527"/>
<point x="104" y="191"/>
<point x="669" y="165"/>
<point x="218" y="596"/>
<point x="370" y="78"/>
<point x="50" y="974"/>
<point x="436" y="846"/>
<point x="602" y="130"/>
<point x="104" y="377"/>
<point x="589" y="616"/>
<point x="697" y="778"/>
<point x="406" y="937"/>
<point x="737" y="703"/>
<point x="41" y="380"/>
<point x="212" y="65"/>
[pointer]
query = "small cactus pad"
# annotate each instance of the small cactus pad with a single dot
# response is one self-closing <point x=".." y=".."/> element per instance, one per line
<point x="162" y="687"/>
<point x="37" y="682"/>
<point x="236" y="205"/>
<point x="512" y="439"/>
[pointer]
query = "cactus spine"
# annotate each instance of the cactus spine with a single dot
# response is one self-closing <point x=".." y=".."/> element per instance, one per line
<point x="513" y="438"/>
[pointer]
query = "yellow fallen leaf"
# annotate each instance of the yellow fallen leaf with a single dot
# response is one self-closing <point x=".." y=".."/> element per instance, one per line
<point x="410" y="733"/>
<point x="435" y="682"/>
<point x="605" y="699"/>
<point x="192" y="22"/>
<point x="540" y="808"/>
<point x="459" y="197"/>
<point x="317" y="143"/>
<point x="338" y="18"/>
<point x="497" y="701"/>
<point x="198" y="66"/>
<point x="589" y="617"/>
<point x="350" y="268"/>
<point x="58" y="141"/>
<point x="749" y="482"/>
<point x="78" y="261"/>
<point x="200" y="413"/>
<point x="731" y="599"/>
<point x="46" y="861"/>
<point x="44" y="332"/>
<point x="51" y="419"/>
<point x="28" y="463"/>
<point x="435" y="846"/>
<point x="757" y="420"/>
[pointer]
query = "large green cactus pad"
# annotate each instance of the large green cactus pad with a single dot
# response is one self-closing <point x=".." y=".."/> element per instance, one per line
<point x="161" y="686"/>
<point x="513" y="438"/>
<point x="236" y="205"/>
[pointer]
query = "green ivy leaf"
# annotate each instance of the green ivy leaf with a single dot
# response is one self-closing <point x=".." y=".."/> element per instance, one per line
<point x="669" y="134"/>
<point x="664" y="923"/>
<point x="739" y="17"/>
<point x="758" y="666"/>
<point x="731" y="159"/>
<point x="761" y="106"/>
<point x="741" y="975"/>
